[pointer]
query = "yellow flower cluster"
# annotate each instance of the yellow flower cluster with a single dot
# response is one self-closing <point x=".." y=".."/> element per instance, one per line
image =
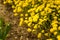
<point x="41" y="16"/>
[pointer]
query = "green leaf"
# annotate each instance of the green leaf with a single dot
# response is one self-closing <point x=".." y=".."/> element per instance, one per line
<point x="7" y="29"/>
<point x="1" y="22"/>
<point x="1" y="25"/>
<point x="1" y="39"/>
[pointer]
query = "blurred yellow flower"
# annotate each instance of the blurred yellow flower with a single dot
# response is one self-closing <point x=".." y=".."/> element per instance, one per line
<point x="46" y="34"/>
<point x="29" y="24"/>
<point x="26" y="21"/>
<point x="39" y="35"/>
<point x="35" y="18"/>
<point x="21" y="21"/>
<point x="59" y="28"/>
<point x="29" y="30"/>
<point x="15" y="14"/>
<point x="21" y="15"/>
<point x="35" y="26"/>
<point x="26" y="14"/>
<point x="55" y="33"/>
<point x="50" y="39"/>
<point x="58" y="37"/>
<point x="51" y="30"/>
<point x="42" y="31"/>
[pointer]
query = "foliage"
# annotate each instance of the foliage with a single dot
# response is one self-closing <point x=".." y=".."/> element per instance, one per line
<point x="4" y="29"/>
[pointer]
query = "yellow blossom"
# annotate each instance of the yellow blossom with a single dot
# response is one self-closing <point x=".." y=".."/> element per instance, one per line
<point x="46" y="34"/>
<point x="19" y="9"/>
<point x="35" y="26"/>
<point x="14" y="10"/>
<point x="21" y="21"/>
<point x="4" y="2"/>
<point x="55" y="33"/>
<point x="55" y="17"/>
<point x="58" y="11"/>
<point x="58" y="37"/>
<point x="13" y="6"/>
<point x="26" y="14"/>
<point x="42" y="31"/>
<point x="35" y="18"/>
<point x="25" y="4"/>
<point x="26" y="21"/>
<point x="26" y="18"/>
<point x="30" y="19"/>
<point x="50" y="39"/>
<point x="21" y="15"/>
<point x="32" y="13"/>
<point x="59" y="28"/>
<point x="29" y="30"/>
<point x="54" y="28"/>
<point x="39" y="35"/>
<point x="29" y="24"/>
<point x="15" y="14"/>
<point x="51" y="30"/>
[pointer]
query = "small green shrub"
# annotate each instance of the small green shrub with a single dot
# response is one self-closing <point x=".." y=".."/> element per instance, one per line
<point x="4" y="29"/>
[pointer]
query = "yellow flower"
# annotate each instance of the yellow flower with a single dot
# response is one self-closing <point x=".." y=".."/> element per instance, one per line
<point x="30" y="19"/>
<point x="25" y="4"/>
<point x="58" y="37"/>
<point x="51" y="30"/>
<point x="35" y="17"/>
<point x="39" y="35"/>
<point x="32" y="9"/>
<point x="26" y="21"/>
<point x="15" y="14"/>
<point x="36" y="10"/>
<point x="54" y="28"/>
<point x="48" y="5"/>
<point x="16" y="2"/>
<point x="41" y="7"/>
<point x="58" y="11"/>
<point x="46" y="9"/>
<point x="42" y="31"/>
<point x="35" y="26"/>
<point x="46" y="34"/>
<point x="40" y="21"/>
<point x="26" y="14"/>
<point x="57" y="2"/>
<point x="29" y="0"/>
<point x="59" y="19"/>
<point x="43" y="13"/>
<point x="55" y="33"/>
<point x="50" y="39"/>
<point x="21" y="21"/>
<point x="29" y="30"/>
<point x="54" y="22"/>
<point x="21" y="14"/>
<point x="54" y="25"/>
<point x="33" y="2"/>
<point x="19" y="9"/>
<point x="4" y="2"/>
<point x="29" y="24"/>
<point x="20" y="3"/>
<point x="34" y="31"/>
<point x="13" y="6"/>
<point x="59" y="28"/>
<point x="14" y="10"/>
<point x="32" y="13"/>
<point x="26" y="18"/>
<point x="9" y="1"/>
<point x="55" y="17"/>
<point x="49" y="10"/>
<point x="39" y="0"/>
